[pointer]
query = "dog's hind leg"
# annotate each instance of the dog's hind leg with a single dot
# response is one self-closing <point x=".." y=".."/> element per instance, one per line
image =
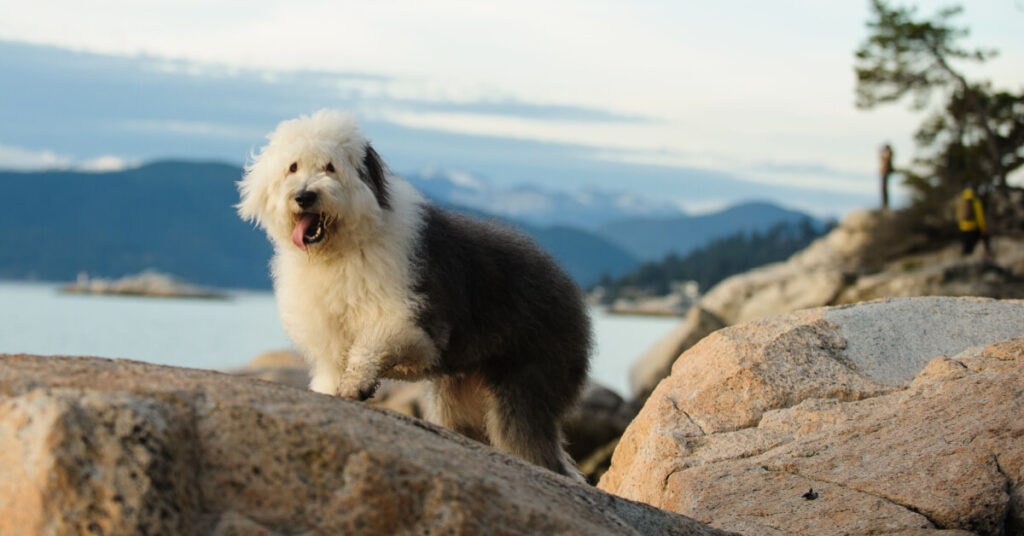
<point x="459" y="404"/>
<point x="521" y="423"/>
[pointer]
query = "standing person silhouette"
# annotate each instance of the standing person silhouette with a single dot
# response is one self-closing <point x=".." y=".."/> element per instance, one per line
<point x="884" y="170"/>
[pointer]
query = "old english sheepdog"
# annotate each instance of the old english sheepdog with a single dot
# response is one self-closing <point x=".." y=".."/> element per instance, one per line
<point x="374" y="282"/>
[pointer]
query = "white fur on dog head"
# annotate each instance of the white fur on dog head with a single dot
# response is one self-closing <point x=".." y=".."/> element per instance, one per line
<point x="346" y="196"/>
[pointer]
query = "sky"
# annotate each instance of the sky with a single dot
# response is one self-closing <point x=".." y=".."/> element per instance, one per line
<point x="699" y="104"/>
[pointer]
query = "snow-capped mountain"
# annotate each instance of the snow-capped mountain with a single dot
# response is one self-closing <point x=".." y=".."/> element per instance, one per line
<point x="588" y="208"/>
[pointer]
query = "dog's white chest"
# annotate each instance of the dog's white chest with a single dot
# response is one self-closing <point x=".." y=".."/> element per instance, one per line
<point x="327" y="309"/>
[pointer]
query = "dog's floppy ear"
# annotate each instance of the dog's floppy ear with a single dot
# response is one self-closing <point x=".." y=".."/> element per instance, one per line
<point x="373" y="172"/>
<point x="253" y="195"/>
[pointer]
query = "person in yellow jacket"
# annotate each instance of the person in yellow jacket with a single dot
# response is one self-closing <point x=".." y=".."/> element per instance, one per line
<point x="971" y="217"/>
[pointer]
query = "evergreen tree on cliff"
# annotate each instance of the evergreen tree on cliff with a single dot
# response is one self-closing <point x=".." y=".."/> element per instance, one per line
<point x="975" y="138"/>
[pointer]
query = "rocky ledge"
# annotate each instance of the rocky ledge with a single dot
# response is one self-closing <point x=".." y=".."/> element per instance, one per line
<point x="902" y="416"/>
<point x="97" y="446"/>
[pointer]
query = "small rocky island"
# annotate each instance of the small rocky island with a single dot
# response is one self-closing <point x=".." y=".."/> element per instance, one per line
<point x="147" y="283"/>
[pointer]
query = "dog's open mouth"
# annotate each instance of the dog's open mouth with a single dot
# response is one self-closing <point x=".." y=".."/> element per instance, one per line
<point x="309" y="229"/>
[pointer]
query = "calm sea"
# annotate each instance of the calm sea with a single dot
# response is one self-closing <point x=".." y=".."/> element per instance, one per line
<point x="221" y="334"/>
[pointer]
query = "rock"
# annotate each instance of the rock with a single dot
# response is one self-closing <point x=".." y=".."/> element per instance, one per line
<point x="772" y="290"/>
<point x="810" y="278"/>
<point x="148" y="283"/>
<point x="859" y="403"/>
<point x="843" y="267"/>
<point x="288" y="367"/>
<point x="893" y="339"/>
<point x="407" y="398"/>
<point x="79" y="462"/>
<point x="117" y="447"/>
<point x="596" y="464"/>
<point x="677" y="302"/>
<point x="945" y="273"/>
<point x="600" y="416"/>
<point x="656" y="363"/>
<point x="279" y="366"/>
<point x="235" y="524"/>
<point x="275" y="359"/>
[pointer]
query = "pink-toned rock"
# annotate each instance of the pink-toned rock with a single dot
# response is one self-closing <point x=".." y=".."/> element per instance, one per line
<point x="757" y="415"/>
<point x="276" y="359"/>
<point x="94" y="446"/>
<point x="656" y="362"/>
<point x="278" y="366"/>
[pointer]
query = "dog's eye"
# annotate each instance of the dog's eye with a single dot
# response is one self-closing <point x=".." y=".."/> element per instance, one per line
<point x="329" y="167"/>
<point x="293" y="168"/>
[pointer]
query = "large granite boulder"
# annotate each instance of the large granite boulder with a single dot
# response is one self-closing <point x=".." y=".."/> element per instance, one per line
<point x="810" y="278"/>
<point x="845" y="420"/>
<point x="656" y="362"/>
<point x="94" y="446"/>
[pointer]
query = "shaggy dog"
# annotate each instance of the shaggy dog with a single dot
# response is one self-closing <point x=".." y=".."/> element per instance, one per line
<point x="374" y="282"/>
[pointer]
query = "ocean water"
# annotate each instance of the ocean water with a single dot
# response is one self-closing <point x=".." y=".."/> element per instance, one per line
<point x="222" y="334"/>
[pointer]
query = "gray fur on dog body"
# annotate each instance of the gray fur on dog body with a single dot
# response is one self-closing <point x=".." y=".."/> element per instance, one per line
<point x="372" y="281"/>
<point x="510" y="325"/>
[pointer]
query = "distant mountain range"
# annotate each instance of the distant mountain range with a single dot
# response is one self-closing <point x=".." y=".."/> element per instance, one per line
<point x="177" y="217"/>
<point x="643" y="228"/>
<point x="587" y="209"/>
<point x="651" y="239"/>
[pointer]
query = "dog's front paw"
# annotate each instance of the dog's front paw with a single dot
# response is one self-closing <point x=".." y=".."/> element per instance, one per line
<point x="358" y="391"/>
<point x="324" y="384"/>
<point x="367" y="393"/>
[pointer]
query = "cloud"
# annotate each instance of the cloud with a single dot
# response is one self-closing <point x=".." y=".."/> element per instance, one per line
<point x="817" y="176"/>
<point x="105" y="163"/>
<point x="19" y="158"/>
<point x="143" y="108"/>
<point x="191" y="128"/>
<point x="22" y="159"/>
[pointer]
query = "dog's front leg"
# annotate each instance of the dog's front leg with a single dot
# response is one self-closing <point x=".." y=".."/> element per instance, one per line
<point x="326" y="376"/>
<point x="362" y="374"/>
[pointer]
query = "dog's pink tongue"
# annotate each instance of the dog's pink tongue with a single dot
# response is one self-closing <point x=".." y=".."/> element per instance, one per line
<point x="300" y="229"/>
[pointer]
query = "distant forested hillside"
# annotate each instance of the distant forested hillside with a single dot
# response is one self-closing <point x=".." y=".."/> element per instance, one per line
<point x="714" y="262"/>
<point x="651" y="239"/>
<point x="175" y="217"/>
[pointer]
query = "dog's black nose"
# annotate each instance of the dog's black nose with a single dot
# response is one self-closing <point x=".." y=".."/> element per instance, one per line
<point x="305" y="199"/>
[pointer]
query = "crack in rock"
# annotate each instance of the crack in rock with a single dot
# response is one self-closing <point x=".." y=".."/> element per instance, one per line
<point x="887" y="500"/>
<point x="1010" y="517"/>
